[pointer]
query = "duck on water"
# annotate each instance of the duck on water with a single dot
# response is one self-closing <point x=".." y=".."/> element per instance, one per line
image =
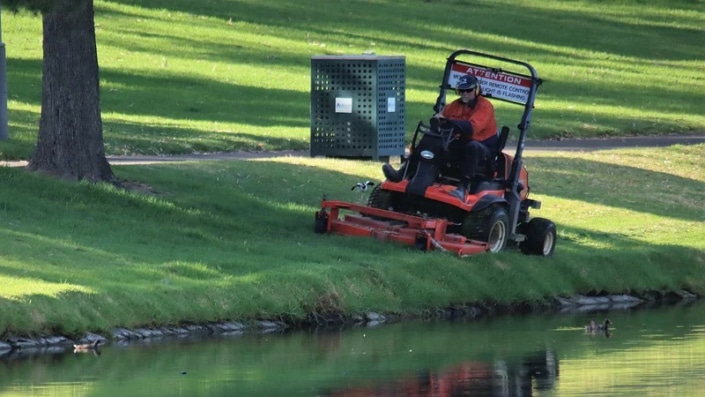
<point x="593" y="327"/>
<point x="86" y="347"/>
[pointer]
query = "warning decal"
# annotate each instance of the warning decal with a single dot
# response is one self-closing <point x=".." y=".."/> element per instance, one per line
<point x="497" y="84"/>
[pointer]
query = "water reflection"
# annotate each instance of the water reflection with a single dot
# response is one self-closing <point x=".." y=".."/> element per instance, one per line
<point x="647" y="352"/>
<point x="538" y="371"/>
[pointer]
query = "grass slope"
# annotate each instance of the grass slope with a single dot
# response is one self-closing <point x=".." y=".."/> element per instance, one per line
<point x="233" y="239"/>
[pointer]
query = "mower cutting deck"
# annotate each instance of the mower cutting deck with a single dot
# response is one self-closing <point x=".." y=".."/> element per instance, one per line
<point x="425" y="234"/>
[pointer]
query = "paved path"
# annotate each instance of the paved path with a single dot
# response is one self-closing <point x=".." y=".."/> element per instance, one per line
<point x="548" y="145"/>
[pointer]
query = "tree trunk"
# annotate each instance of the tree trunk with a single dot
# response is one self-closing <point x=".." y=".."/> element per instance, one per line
<point x="70" y="143"/>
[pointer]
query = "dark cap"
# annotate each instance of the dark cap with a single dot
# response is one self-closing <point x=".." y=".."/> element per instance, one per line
<point x="467" y="82"/>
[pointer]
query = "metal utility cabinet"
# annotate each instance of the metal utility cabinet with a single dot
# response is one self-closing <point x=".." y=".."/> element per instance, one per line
<point x="357" y="106"/>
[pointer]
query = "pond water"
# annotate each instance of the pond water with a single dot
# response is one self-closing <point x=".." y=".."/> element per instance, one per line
<point x="649" y="352"/>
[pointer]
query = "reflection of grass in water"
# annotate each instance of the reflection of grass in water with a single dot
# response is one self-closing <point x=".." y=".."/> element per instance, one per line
<point x="648" y="347"/>
<point x="667" y="359"/>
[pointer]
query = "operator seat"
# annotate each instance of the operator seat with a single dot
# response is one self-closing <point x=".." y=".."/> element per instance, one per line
<point x="495" y="162"/>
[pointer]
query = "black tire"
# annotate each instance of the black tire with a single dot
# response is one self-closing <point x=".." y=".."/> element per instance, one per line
<point x="498" y="230"/>
<point x="320" y="225"/>
<point x="490" y="225"/>
<point x="380" y="198"/>
<point x="540" y="238"/>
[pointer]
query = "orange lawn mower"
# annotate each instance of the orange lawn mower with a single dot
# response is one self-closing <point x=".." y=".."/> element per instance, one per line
<point x="420" y="210"/>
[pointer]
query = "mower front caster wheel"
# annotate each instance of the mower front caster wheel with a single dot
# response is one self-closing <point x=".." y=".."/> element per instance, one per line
<point x="540" y="238"/>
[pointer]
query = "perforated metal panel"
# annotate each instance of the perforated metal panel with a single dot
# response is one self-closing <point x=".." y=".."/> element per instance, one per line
<point x="357" y="106"/>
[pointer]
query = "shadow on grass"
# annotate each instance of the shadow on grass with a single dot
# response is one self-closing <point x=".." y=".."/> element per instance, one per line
<point x="617" y="186"/>
<point x="247" y="226"/>
<point x="577" y="122"/>
<point x="528" y="23"/>
<point x="131" y="138"/>
<point x="22" y="135"/>
<point x="164" y="101"/>
<point x="188" y="98"/>
<point x="208" y="212"/>
<point x="181" y="100"/>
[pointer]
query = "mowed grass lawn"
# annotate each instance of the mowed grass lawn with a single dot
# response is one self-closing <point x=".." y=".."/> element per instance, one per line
<point x="222" y="240"/>
<point x="179" y="76"/>
<point x="209" y="241"/>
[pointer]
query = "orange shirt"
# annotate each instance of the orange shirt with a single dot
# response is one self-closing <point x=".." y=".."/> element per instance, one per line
<point x="484" y="124"/>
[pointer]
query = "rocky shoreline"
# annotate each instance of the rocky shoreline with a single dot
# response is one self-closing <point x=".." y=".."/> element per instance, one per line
<point x="20" y="346"/>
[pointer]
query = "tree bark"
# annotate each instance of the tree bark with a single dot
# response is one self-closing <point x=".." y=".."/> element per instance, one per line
<point x="70" y="141"/>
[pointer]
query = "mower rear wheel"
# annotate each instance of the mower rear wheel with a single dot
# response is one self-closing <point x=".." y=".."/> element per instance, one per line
<point x="380" y="198"/>
<point x="540" y="237"/>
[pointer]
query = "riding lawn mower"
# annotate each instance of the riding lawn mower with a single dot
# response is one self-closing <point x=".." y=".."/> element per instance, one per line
<point x="420" y="210"/>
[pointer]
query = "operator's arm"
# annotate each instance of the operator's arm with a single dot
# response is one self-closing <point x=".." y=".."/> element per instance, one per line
<point x="458" y="113"/>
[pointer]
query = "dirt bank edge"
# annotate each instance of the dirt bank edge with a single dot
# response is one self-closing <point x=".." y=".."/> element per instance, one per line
<point x="16" y="346"/>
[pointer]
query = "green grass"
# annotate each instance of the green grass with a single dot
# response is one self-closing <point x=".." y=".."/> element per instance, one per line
<point x="233" y="240"/>
<point x="181" y="77"/>
<point x="211" y="241"/>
